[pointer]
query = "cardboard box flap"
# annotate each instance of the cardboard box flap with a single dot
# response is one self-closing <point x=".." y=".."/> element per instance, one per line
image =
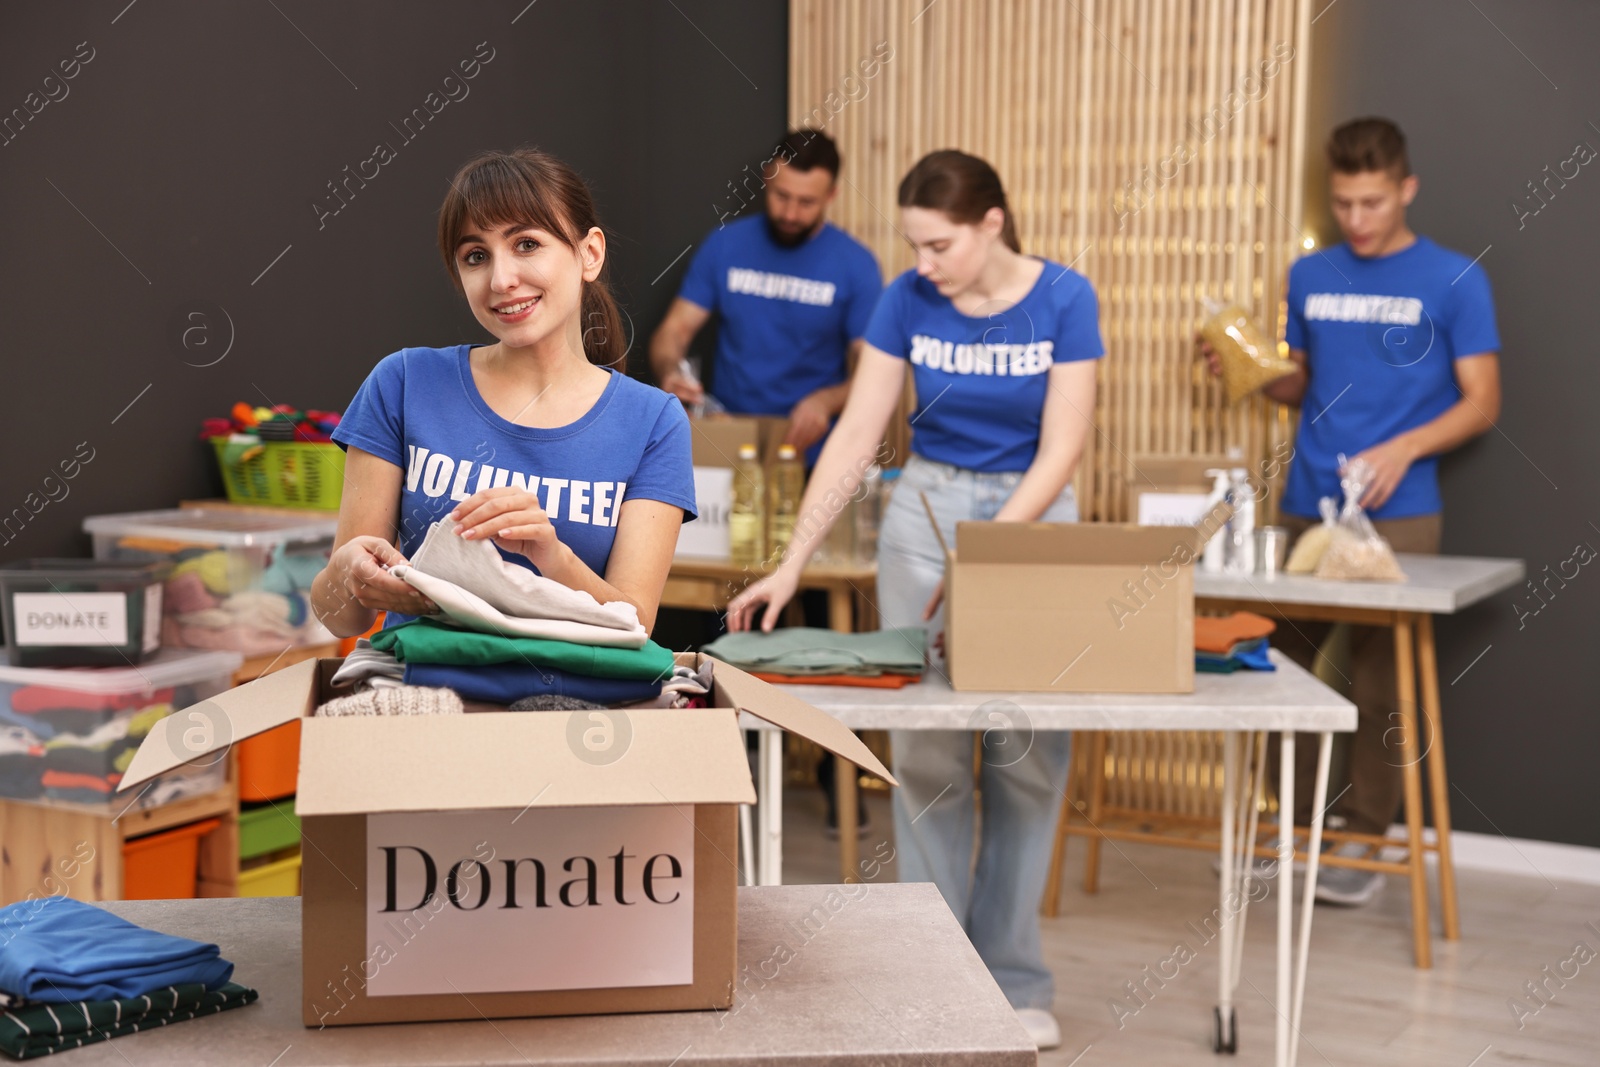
<point x="771" y="704"/>
<point x="1071" y="542"/>
<point x="212" y="725"/>
<point x="517" y="760"/>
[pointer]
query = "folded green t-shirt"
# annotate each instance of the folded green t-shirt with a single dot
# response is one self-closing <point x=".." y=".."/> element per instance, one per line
<point x="426" y="641"/>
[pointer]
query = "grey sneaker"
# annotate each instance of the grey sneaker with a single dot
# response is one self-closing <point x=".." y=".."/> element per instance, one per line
<point x="1348" y="886"/>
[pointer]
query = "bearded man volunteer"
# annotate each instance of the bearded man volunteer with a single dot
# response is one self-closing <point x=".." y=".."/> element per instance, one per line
<point x="791" y="293"/>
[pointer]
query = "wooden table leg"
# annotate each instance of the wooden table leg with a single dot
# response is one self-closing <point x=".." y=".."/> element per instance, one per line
<point x="1438" y="782"/>
<point x="1411" y="752"/>
<point x="840" y="603"/>
<point x="1050" y="906"/>
<point x="844" y="780"/>
<point x="1094" y="802"/>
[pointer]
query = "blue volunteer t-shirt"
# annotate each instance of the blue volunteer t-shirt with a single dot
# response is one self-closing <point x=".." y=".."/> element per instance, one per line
<point x="981" y="381"/>
<point x="420" y="410"/>
<point x="1381" y="337"/>
<point x="785" y="316"/>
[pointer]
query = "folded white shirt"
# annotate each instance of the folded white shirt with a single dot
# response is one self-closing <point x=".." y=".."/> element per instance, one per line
<point x="470" y="611"/>
<point x="516" y="592"/>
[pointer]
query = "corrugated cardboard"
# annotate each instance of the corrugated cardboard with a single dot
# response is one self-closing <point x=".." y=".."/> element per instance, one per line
<point x="1071" y="607"/>
<point x="1169" y="475"/>
<point x="493" y="766"/>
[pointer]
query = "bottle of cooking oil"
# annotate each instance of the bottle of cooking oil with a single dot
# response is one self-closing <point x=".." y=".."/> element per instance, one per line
<point x="788" y="485"/>
<point x="745" y="521"/>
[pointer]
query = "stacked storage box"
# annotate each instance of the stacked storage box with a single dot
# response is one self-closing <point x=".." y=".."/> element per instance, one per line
<point x="67" y="735"/>
<point x="239" y="580"/>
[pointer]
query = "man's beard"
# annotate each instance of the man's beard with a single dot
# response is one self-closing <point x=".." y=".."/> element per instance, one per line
<point x="791" y="240"/>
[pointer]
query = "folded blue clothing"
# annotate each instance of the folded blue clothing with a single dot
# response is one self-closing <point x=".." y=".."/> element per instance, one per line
<point x="1250" y="655"/>
<point x="506" y="683"/>
<point x="59" y="950"/>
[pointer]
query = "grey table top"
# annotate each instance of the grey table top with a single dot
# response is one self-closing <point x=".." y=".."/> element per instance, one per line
<point x="884" y="978"/>
<point x="1289" y="698"/>
<point x="1440" y="585"/>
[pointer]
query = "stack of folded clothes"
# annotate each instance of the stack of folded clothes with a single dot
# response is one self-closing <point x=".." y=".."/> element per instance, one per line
<point x="67" y="744"/>
<point x="886" y="659"/>
<point x="505" y="634"/>
<point x="72" y="974"/>
<point x="1227" y="643"/>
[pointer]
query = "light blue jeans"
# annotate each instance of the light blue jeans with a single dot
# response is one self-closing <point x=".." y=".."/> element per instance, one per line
<point x="996" y="899"/>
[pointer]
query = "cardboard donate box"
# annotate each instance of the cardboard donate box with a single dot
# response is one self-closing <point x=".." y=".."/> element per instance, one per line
<point x="1071" y="607"/>
<point x="502" y="864"/>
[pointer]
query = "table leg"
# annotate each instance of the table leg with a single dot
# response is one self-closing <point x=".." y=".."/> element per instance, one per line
<point x="1285" y="889"/>
<point x="844" y="779"/>
<point x="1226" y="1038"/>
<point x="769" y="769"/>
<point x="1319" y="799"/>
<point x="1438" y="782"/>
<point x="747" y="845"/>
<point x="1095" y="802"/>
<point x="1411" y="753"/>
<point x="840" y="600"/>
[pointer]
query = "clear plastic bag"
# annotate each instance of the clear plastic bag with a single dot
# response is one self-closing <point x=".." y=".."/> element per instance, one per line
<point x="1248" y="356"/>
<point x="1356" y="550"/>
<point x="1308" y="551"/>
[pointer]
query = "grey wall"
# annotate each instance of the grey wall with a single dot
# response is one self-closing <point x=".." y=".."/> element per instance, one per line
<point x="1486" y="106"/>
<point x="178" y="169"/>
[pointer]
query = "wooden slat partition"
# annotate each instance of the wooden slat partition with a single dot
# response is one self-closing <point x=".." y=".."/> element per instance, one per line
<point x="1142" y="143"/>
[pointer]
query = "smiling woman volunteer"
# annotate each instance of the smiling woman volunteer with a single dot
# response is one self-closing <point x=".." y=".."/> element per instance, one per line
<point x="536" y="441"/>
<point x="1001" y="350"/>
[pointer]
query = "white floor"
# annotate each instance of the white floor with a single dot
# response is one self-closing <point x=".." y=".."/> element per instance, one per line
<point x="1365" y="1002"/>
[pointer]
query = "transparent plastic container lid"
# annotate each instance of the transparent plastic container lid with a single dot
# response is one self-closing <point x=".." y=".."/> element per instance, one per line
<point x="226" y="528"/>
<point x="169" y="667"/>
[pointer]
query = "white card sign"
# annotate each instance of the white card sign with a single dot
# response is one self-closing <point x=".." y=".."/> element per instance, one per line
<point x="1172" y="509"/>
<point x="707" y="536"/>
<point x="70" y="618"/>
<point x="551" y="898"/>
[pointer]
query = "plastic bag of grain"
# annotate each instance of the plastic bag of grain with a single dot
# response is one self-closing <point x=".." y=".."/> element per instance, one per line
<point x="1248" y="356"/>
<point x="1355" y="549"/>
<point x="1308" y="551"/>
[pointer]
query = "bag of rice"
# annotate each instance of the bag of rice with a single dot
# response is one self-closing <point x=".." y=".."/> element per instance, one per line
<point x="1355" y="549"/>
<point x="1307" y="551"/>
<point x="1248" y="356"/>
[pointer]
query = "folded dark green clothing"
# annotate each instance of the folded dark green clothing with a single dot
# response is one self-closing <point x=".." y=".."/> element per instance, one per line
<point x="803" y="650"/>
<point x="426" y="641"/>
<point x="36" y="1029"/>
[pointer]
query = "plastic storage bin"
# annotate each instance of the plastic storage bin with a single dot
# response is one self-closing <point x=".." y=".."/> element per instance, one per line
<point x="268" y="828"/>
<point x="164" y="866"/>
<point x="240" y="580"/>
<point x="68" y="733"/>
<point x="280" y="878"/>
<point x="269" y="763"/>
<point x="283" y="474"/>
<point x="81" y="613"/>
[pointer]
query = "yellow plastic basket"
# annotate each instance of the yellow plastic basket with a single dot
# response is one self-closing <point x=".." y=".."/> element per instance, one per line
<point x="285" y="474"/>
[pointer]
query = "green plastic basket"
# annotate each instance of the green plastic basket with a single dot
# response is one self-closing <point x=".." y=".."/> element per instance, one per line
<point x="285" y="474"/>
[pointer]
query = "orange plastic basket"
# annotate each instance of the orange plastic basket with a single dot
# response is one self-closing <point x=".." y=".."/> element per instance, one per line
<point x="164" y="866"/>
<point x="269" y="763"/>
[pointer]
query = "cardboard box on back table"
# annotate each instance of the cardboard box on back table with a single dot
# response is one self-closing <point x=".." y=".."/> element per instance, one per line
<point x="1073" y="607"/>
<point x="503" y="864"/>
<point x="716" y="449"/>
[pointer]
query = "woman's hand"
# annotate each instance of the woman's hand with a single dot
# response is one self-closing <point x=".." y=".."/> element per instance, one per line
<point x="775" y="590"/>
<point x="513" y="519"/>
<point x="359" y="571"/>
<point x="1209" y="354"/>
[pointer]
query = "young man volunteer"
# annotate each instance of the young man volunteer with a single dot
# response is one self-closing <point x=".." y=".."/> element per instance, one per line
<point x="1396" y="342"/>
<point x="792" y="294"/>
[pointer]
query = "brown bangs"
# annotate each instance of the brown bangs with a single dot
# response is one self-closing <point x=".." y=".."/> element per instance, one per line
<point x="493" y="191"/>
